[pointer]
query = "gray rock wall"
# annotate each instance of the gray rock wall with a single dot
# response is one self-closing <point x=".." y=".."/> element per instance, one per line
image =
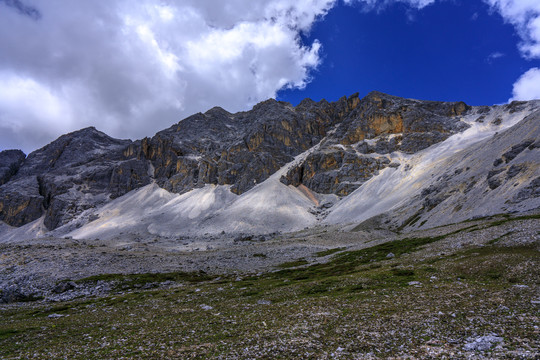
<point x="87" y="168"/>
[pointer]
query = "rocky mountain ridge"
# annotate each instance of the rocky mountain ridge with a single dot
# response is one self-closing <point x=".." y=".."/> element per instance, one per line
<point x="355" y="139"/>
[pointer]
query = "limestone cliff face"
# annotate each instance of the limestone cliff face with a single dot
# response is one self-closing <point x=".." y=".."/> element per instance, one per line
<point x="240" y="149"/>
<point x="335" y="171"/>
<point x="377" y="125"/>
<point x="87" y="168"/>
<point x="75" y="172"/>
<point x="10" y="162"/>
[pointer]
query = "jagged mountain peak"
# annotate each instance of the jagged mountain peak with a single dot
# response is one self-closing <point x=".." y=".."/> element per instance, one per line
<point x="326" y="149"/>
<point x="75" y="147"/>
<point x="217" y="111"/>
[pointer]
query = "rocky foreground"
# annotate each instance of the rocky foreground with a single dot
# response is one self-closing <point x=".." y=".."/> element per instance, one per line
<point x="463" y="291"/>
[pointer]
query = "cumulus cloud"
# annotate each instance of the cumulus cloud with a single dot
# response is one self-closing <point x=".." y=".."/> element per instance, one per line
<point x="381" y="4"/>
<point x="524" y="15"/>
<point x="133" y="68"/>
<point x="527" y="87"/>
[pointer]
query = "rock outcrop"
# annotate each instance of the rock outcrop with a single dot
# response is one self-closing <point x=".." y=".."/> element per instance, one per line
<point x="498" y="175"/>
<point x="377" y="125"/>
<point x="76" y="172"/>
<point x="10" y="162"/>
<point x="87" y="168"/>
<point x="241" y="149"/>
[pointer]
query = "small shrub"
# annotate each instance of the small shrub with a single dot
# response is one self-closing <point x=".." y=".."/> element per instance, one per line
<point x="403" y="272"/>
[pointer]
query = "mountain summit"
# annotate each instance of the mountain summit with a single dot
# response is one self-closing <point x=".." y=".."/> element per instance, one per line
<point x="280" y="168"/>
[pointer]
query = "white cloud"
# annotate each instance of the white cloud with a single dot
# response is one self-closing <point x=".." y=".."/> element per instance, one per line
<point x="380" y="4"/>
<point x="524" y="15"/>
<point x="527" y="87"/>
<point x="19" y="108"/>
<point x="494" y="56"/>
<point x="133" y="68"/>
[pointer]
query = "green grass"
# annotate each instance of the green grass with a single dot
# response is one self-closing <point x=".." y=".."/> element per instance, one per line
<point x="493" y="241"/>
<point x="344" y="309"/>
<point x="295" y="263"/>
<point x="359" y="301"/>
<point x="6" y="333"/>
<point x="129" y="281"/>
<point x="349" y="262"/>
<point x="329" y="252"/>
<point x="507" y="219"/>
<point x="411" y="220"/>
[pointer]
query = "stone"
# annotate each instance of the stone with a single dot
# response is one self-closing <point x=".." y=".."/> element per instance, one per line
<point x="20" y="201"/>
<point x="10" y="162"/>
<point x="497" y="121"/>
<point x="530" y="191"/>
<point x="516" y="150"/>
<point x="334" y="171"/>
<point x="493" y="180"/>
<point x="14" y="293"/>
<point x="515" y="169"/>
<point x="240" y="149"/>
<point x="55" y="316"/>
<point x="379" y="124"/>
<point x="482" y="343"/>
<point x="516" y="106"/>
<point x="76" y="172"/>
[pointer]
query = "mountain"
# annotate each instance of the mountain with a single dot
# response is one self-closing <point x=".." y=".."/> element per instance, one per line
<point x="409" y="163"/>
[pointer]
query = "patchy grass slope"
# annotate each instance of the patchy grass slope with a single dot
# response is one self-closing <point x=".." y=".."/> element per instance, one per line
<point x="420" y="303"/>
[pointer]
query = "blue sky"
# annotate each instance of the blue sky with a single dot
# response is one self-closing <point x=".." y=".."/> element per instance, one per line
<point x="457" y="50"/>
<point x="132" y="68"/>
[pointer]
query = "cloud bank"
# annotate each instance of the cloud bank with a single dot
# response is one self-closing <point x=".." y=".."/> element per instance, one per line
<point x="132" y="68"/>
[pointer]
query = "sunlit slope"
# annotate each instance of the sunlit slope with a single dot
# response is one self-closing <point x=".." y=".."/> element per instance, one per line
<point x="491" y="167"/>
<point x="448" y="182"/>
<point x="444" y="183"/>
<point x="268" y="207"/>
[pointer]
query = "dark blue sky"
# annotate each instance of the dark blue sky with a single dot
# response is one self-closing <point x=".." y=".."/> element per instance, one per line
<point x="448" y="51"/>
